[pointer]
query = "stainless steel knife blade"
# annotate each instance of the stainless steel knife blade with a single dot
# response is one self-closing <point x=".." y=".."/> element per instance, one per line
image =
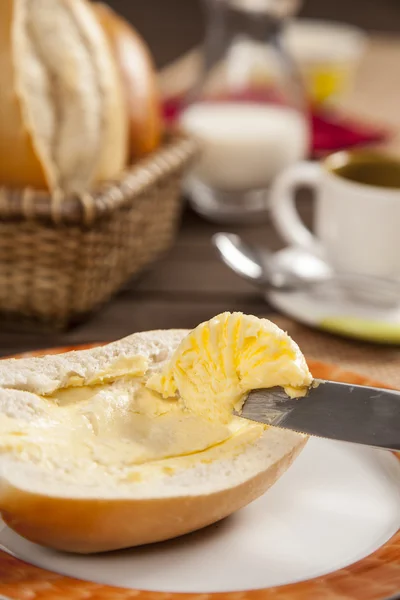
<point x="337" y="411"/>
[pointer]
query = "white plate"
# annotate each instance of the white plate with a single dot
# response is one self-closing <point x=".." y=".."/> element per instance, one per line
<point x="336" y="505"/>
<point x="332" y="310"/>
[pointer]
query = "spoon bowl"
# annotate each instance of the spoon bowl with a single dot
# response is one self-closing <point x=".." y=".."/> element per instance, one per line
<point x="260" y="267"/>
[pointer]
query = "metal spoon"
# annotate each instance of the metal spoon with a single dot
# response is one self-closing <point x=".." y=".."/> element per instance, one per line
<point x="260" y="267"/>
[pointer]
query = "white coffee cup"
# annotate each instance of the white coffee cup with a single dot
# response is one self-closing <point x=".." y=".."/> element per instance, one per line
<point x="356" y="216"/>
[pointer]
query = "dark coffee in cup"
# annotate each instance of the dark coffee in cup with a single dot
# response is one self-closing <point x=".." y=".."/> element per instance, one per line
<point x="366" y="167"/>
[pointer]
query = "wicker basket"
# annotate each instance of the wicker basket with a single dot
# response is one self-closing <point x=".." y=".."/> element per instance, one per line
<point x="61" y="257"/>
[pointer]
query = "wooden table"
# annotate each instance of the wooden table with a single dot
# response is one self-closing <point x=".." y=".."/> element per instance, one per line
<point x="190" y="284"/>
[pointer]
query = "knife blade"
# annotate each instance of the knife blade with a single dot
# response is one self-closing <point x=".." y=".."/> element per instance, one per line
<point x="337" y="411"/>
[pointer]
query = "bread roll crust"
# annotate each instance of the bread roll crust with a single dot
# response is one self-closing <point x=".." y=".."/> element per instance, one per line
<point x="139" y="78"/>
<point x="19" y="163"/>
<point x="63" y="118"/>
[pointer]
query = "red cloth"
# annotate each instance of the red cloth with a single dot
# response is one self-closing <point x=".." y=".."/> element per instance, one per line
<point x="330" y="132"/>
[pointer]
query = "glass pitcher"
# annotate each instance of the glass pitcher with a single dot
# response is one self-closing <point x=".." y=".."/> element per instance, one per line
<point x="247" y="110"/>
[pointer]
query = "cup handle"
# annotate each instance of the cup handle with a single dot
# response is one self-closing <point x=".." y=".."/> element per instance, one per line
<point x="283" y="208"/>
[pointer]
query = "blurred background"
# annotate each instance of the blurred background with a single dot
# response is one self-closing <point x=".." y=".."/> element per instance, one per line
<point x="189" y="283"/>
<point x="174" y="26"/>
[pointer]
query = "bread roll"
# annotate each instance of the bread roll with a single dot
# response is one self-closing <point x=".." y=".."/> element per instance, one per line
<point x="138" y="74"/>
<point x="87" y="464"/>
<point x="63" y="119"/>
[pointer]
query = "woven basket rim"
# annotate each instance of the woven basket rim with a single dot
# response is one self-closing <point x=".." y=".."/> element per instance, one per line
<point x="32" y="205"/>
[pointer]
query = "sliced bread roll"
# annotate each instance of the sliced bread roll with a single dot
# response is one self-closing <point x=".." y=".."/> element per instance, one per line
<point x="63" y="117"/>
<point x="140" y="81"/>
<point x="93" y="460"/>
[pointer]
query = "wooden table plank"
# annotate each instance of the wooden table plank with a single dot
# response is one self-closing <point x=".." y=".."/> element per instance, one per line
<point x="131" y="312"/>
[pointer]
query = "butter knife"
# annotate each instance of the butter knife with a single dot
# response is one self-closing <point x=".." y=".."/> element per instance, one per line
<point x="337" y="411"/>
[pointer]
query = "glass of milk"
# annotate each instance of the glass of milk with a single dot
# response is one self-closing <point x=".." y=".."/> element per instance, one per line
<point x="247" y="110"/>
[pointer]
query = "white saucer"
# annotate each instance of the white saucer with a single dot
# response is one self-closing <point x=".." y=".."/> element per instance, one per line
<point x="337" y="504"/>
<point x="333" y="310"/>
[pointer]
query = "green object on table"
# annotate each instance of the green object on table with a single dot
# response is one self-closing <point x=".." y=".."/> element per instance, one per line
<point x="363" y="329"/>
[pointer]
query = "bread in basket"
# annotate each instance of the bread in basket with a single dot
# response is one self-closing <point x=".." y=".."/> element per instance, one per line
<point x="78" y="103"/>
